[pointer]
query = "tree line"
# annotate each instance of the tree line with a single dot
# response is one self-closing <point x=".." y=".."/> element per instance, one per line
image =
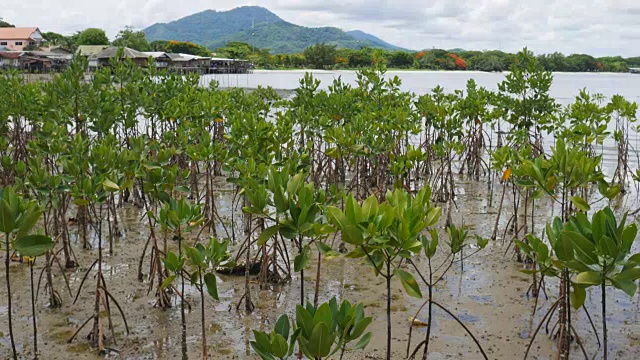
<point x="329" y="56"/>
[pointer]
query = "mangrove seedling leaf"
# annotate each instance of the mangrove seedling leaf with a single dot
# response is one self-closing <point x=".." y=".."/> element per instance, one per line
<point x="304" y="321"/>
<point x="7" y="217"/>
<point x="279" y="346"/>
<point x="282" y="326"/>
<point x="323" y="315"/>
<point x="409" y="283"/>
<point x="352" y="235"/>
<point x="364" y="341"/>
<point x="212" y="285"/>
<point x="628" y="286"/>
<point x="578" y="296"/>
<point x="34" y="245"/>
<point x="28" y="221"/>
<point x="301" y="261"/>
<point x="580" y="203"/>
<point x="589" y="278"/>
<point x="168" y="281"/>
<point x="110" y="185"/>
<point x="320" y="341"/>
<point x="267" y="234"/>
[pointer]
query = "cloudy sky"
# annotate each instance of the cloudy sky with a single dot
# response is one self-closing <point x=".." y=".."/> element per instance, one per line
<point x="598" y="27"/>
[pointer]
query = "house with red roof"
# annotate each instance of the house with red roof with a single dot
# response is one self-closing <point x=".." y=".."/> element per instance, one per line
<point x="17" y="39"/>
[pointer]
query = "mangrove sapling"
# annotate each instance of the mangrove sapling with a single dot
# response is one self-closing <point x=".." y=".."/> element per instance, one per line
<point x="602" y="257"/>
<point x="386" y="235"/>
<point x="32" y="246"/>
<point x="320" y="332"/>
<point x="587" y="122"/>
<point x="17" y="217"/>
<point x="457" y="242"/>
<point x="180" y="216"/>
<point x="100" y="187"/>
<point x="473" y="109"/>
<point x="524" y="98"/>
<point x="559" y="176"/>
<point x="200" y="259"/>
<point x="624" y="114"/>
<point x="298" y="217"/>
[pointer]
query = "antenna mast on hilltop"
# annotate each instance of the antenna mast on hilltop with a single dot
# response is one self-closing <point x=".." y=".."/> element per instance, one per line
<point x="253" y="42"/>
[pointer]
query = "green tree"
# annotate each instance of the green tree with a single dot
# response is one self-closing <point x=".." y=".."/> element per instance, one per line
<point x="5" y="24"/>
<point x="236" y="50"/>
<point x="132" y="39"/>
<point x="320" y="55"/>
<point x="159" y="45"/>
<point x="93" y="36"/>
<point x="400" y="59"/>
<point x="361" y="58"/>
<point x="581" y="63"/>
<point x="187" y="48"/>
<point x="52" y="38"/>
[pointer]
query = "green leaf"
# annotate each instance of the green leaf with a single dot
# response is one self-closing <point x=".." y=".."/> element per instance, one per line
<point x="564" y="249"/>
<point x="304" y="320"/>
<point x="81" y="202"/>
<point x="323" y="315"/>
<point x="262" y="345"/>
<point x="212" y="285"/>
<point x="578" y="296"/>
<point x="294" y="184"/>
<point x="589" y="278"/>
<point x="7" y="217"/>
<point x="279" y="200"/>
<point x="301" y="261"/>
<point x="580" y="203"/>
<point x="359" y="328"/>
<point x="336" y="217"/>
<point x="110" y="185"/>
<point x="364" y="341"/>
<point x="263" y="355"/>
<point x="352" y="235"/>
<point x="27" y="221"/>
<point x="433" y="216"/>
<point x="584" y="248"/>
<point x="279" y="346"/>
<point x="608" y="246"/>
<point x="267" y="234"/>
<point x="168" y="281"/>
<point x="370" y="207"/>
<point x="34" y="245"/>
<point x="628" y="286"/>
<point x="632" y="274"/>
<point x="282" y="326"/>
<point x="320" y="341"/>
<point x="409" y="283"/>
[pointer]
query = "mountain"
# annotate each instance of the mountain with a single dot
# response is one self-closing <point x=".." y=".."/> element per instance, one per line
<point x="363" y="36"/>
<point x="204" y="27"/>
<point x="259" y="27"/>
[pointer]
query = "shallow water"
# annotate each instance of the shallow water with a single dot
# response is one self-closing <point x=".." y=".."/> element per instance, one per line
<point x="489" y="296"/>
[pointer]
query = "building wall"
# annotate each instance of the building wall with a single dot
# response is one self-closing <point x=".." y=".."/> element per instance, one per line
<point x="19" y="44"/>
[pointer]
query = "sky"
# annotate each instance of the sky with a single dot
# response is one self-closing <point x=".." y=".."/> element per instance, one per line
<point x="596" y="27"/>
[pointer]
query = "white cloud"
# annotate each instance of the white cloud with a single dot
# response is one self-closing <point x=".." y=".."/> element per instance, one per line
<point x="600" y="27"/>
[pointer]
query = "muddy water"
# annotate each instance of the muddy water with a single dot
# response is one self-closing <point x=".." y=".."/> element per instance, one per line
<point x="489" y="296"/>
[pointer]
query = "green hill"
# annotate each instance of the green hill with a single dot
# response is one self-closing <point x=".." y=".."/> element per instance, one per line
<point x="259" y="27"/>
<point x="363" y="36"/>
